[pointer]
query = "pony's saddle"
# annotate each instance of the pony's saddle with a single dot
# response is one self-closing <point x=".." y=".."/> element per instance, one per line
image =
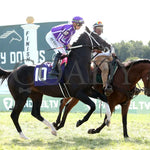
<point x="42" y="75"/>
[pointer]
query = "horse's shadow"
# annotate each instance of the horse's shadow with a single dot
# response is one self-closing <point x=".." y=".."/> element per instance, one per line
<point x="90" y="143"/>
<point x="75" y="141"/>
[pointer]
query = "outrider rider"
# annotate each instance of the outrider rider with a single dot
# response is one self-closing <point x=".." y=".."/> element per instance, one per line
<point x="103" y="59"/>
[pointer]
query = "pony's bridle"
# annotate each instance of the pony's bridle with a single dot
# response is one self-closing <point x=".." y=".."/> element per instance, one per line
<point x="100" y="47"/>
<point x="148" y="80"/>
<point x="92" y="39"/>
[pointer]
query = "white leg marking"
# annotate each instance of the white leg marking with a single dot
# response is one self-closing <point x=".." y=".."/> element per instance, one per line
<point x="108" y="114"/>
<point x="23" y="136"/>
<point x="50" y="126"/>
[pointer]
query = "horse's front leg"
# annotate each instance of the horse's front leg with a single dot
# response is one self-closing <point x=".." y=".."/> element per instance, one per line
<point x="97" y="130"/>
<point x="68" y="107"/>
<point x="108" y="114"/>
<point x="61" y="107"/>
<point x="86" y="100"/>
<point x="96" y="94"/>
<point x="125" y="108"/>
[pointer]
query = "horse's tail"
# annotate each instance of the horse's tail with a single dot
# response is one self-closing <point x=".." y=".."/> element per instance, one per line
<point x="4" y="74"/>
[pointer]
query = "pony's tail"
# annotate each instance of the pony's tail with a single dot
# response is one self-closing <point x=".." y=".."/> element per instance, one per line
<point x="4" y="74"/>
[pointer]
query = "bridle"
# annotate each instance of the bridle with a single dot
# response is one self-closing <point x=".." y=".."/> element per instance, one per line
<point x="92" y="39"/>
<point x="128" y="93"/>
<point x="148" y="80"/>
<point x="99" y="46"/>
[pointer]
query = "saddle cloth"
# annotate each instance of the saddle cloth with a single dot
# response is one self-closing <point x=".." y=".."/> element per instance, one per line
<point x="42" y="75"/>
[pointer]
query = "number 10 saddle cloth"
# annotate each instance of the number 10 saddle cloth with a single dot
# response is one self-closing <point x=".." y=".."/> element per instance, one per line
<point x="42" y="75"/>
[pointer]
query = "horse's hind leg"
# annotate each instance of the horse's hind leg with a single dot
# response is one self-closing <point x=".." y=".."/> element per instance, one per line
<point x="86" y="100"/>
<point x="68" y="107"/>
<point x="61" y="107"/>
<point x="37" y="101"/>
<point x="19" y="104"/>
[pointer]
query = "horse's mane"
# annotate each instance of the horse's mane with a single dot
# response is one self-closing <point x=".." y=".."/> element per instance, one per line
<point x="84" y="35"/>
<point x="129" y="64"/>
<point x="81" y="37"/>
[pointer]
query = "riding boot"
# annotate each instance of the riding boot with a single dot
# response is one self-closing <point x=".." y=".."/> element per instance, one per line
<point x="54" y="71"/>
<point x="108" y="90"/>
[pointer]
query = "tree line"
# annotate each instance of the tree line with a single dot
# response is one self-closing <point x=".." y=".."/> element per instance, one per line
<point x="132" y="50"/>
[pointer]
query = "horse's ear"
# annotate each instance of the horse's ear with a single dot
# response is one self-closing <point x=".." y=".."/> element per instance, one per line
<point x="87" y="29"/>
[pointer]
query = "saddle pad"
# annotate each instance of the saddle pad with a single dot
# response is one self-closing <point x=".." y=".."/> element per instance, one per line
<point x="42" y="75"/>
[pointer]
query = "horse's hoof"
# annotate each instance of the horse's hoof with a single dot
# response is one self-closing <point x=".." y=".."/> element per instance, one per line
<point x="56" y="128"/>
<point x="54" y="133"/>
<point x="23" y="136"/>
<point x="78" y="123"/>
<point x="91" y="131"/>
<point x="126" y="136"/>
<point x="54" y="124"/>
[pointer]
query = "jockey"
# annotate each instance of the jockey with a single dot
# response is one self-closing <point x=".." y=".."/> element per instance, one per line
<point x="59" y="38"/>
<point x="104" y="58"/>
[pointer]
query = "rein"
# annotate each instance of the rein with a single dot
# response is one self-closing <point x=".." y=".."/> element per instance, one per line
<point x="148" y="79"/>
<point x="92" y="38"/>
<point x="128" y="92"/>
<point x="92" y="45"/>
<point x="101" y="48"/>
<point x="99" y="63"/>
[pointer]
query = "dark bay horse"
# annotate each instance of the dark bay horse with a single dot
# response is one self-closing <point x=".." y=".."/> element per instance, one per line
<point x="124" y="84"/>
<point x="76" y="77"/>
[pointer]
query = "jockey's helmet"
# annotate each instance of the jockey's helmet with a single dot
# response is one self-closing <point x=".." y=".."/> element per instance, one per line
<point x="78" y="20"/>
<point x="98" y="24"/>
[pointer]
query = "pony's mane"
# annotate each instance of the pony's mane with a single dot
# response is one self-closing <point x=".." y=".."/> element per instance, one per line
<point x="129" y="64"/>
<point x="81" y="37"/>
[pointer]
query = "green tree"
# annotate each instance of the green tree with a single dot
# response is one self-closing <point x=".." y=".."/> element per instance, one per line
<point x="121" y="50"/>
<point x="132" y="49"/>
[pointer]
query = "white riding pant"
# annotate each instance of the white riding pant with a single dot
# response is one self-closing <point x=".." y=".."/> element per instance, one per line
<point x="53" y="43"/>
